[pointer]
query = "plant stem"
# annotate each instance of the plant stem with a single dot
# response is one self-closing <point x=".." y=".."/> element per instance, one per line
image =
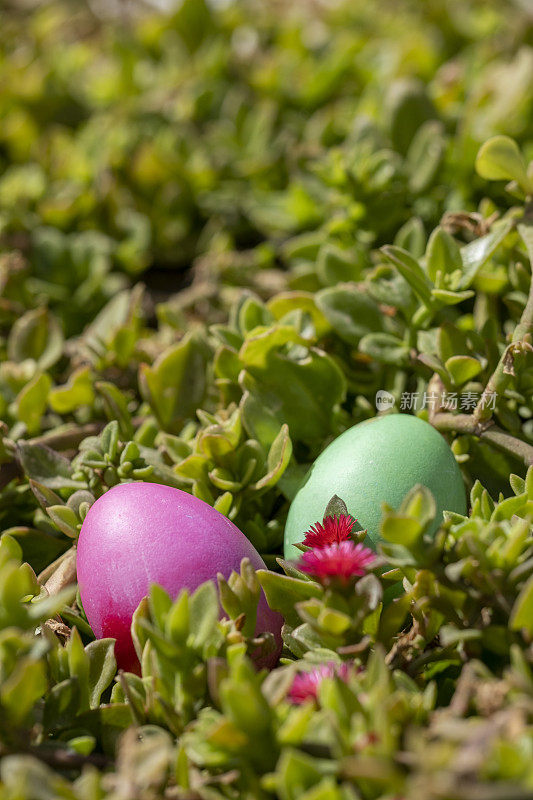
<point x="480" y="423"/>
<point x="524" y="329"/>
<point x="520" y="345"/>
<point x="485" y="430"/>
<point x="500" y="378"/>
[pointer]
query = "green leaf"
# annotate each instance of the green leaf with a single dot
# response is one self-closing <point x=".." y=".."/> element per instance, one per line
<point x="84" y="745"/>
<point x="78" y="391"/>
<point x="287" y="302"/>
<point x="66" y="520"/>
<point x="451" y="341"/>
<point x="410" y="269"/>
<point x="406" y="526"/>
<point x="399" y="528"/>
<point x="226" y="363"/>
<point x="451" y="636"/>
<point x="36" y="335"/>
<point x="387" y="286"/>
<point x="217" y="441"/>
<point x="449" y="298"/>
<point x="393" y="617"/>
<point x="177" y="625"/>
<point x="463" y="369"/>
<point x="44" y="496"/>
<point x="528" y="486"/>
<point x="409" y="107"/>
<point x="252" y="314"/>
<point x="141" y="615"/>
<point x="118" y="320"/>
<point x="193" y="21"/>
<point x="258" y="348"/>
<point x="335" y="265"/>
<point x="260" y="421"/>
<point x="228" y="598"/>
<point x="102" y="668"/>
<point x="304" y="247"/>
<point x="475" y="254"/>
<point x="240" y="595"/>
<point x="78" y="664"/>
<point x="43" y="608"/>
<point x="24" y="776"/>
<point x="336" y="507"/>
<point x="108" y="722"/>
<point x="525" y="229"/>
<point x="425" y="155"/>
<point x="443" y="254"/>
<point x="283" y="592"/>
<point x="18" y="582"/>
<point x="10" y="549"/>
<point x="32" y="401"/>
<point x="243" y="702"/>
<point x="62" y="704"/>
<point x="412" y="237"/>
<point x="223" y="503"/>
<point x="295" y="774"/>
<point x="109" y="440"/>
<point x="278" y="459"/>
<point x="19" y="693"/>
<point x="301" y="390"/>
<point x="351" y="313"/>
<point x="203" y="614"/>
<point x="46" y="466"/>
<point x="500" y="159"/>
<point x="522" y="612"/>
<point x="386" y="348"/>
<point x="419" y="503"/>
<point x="159" y="603"/>
<point x="175" y="384"/>
<point x="333" y="622"/>
<point x="518" y="484"/>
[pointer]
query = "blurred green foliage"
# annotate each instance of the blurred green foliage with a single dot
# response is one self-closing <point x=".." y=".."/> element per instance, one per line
<point x="321" y="200"/>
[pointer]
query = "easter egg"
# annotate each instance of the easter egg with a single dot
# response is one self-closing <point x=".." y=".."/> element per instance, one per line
<point x="376" y="461"/>
<point x="138" y="534"/>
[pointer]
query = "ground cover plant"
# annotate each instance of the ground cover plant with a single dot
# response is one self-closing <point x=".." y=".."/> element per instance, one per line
<point x="228" y="234"/>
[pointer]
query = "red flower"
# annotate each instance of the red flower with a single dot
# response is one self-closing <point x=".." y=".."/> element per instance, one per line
<point x="332" y="530"/>
<point x="305" y="684"/>
<point x="341" y="561"/>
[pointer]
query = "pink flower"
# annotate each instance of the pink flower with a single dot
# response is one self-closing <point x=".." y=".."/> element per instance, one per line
<point x="342" y="561"/>
<point x="305" y="684"/>
<point x="332" y="530"/>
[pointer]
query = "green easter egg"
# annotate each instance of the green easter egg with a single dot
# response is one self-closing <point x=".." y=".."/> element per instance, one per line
<point x="377" y="461"/>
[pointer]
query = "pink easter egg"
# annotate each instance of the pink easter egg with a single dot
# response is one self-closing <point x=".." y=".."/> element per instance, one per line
<point x="138" y="534"/>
